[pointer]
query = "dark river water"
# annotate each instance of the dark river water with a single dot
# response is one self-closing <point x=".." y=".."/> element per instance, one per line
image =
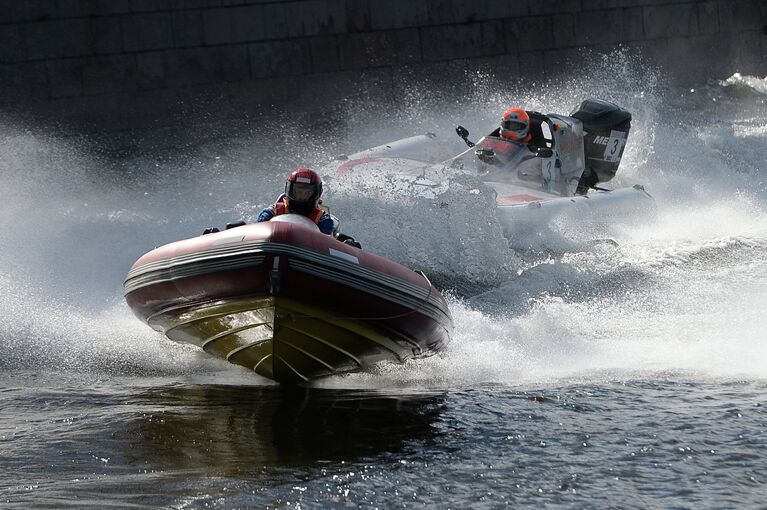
<point x="659" y="442"/>
<point x="621" y="374"/>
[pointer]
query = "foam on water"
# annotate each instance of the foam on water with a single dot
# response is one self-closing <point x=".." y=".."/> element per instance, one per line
<point x="754" y="83"/>
<point x="683" y="294"/>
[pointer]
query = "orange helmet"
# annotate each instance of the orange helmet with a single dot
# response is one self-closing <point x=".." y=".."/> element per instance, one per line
<point x="515" y="125"/>
<point x="303" y="189"/>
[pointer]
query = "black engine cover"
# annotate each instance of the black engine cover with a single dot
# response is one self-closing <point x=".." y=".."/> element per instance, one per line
<point x="607" y="127"/>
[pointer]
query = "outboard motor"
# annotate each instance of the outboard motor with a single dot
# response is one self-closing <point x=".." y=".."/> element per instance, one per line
<point x="606" y="127"/>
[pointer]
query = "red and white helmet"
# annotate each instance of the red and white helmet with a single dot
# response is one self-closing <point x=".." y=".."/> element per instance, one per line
<point x="515" y="125"/>
<point x="303" y="189"/>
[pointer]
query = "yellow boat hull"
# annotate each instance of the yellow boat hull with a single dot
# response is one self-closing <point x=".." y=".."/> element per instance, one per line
<point x="284" y="340"/>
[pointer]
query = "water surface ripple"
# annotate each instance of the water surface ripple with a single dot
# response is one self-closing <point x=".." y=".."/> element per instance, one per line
<point x="670" y="443"/>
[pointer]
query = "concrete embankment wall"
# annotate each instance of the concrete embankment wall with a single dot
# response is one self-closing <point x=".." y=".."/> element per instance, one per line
<point x="117" y="64"/>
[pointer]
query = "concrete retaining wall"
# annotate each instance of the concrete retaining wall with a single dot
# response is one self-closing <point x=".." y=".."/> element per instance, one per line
<point x="137" y="63"/>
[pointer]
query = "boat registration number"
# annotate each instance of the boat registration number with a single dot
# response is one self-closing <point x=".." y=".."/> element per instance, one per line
<point x="615" y="145"/>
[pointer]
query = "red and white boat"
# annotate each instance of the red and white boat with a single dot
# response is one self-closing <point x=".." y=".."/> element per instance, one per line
<point x="556" y="184"/>
<point x="287" y="301"/>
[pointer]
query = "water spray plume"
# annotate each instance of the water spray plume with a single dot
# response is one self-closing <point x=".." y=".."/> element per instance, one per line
<point x="683" y="294"/>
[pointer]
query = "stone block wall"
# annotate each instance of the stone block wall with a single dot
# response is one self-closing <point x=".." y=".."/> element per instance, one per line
<point x="135" y="63"/>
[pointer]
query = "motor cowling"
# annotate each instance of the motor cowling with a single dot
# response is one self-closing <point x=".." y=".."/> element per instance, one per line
<point x="606" y="126"/>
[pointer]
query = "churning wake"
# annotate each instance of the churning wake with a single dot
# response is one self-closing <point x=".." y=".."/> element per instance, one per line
<point x="683" y="294"/>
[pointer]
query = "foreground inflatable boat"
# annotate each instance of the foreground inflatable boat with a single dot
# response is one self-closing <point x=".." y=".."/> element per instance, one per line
<point x="287" y="301"/>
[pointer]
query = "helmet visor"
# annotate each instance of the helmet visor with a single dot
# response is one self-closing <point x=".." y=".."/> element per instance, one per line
<point x="513" y="125"/>
<point x="301" y="192"/>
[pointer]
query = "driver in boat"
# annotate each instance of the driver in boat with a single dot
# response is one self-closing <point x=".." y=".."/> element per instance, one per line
<point x="303" y="189"/>
<point x="515" y="127"/>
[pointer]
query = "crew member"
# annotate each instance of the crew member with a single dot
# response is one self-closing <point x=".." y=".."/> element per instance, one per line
<point x="515" y="125"/>
<point x="303" y="189"/>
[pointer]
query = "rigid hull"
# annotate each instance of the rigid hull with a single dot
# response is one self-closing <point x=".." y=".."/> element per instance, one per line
<point x="288" y="302"/>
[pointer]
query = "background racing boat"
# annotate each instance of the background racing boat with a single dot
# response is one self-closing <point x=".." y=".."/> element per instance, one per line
<point x="554" y="178"/>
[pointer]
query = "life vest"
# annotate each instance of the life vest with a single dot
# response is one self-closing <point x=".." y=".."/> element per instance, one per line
<point x="315" y="216"/>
